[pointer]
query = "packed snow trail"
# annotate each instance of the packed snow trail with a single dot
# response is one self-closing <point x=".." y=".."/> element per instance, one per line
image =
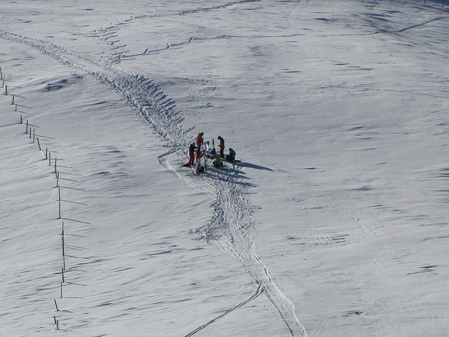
<point x="258" y="292"/>
<point x="231" y="227"/>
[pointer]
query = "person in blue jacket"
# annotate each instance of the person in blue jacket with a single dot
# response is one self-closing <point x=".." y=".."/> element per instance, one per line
<point x="231" y="156"/>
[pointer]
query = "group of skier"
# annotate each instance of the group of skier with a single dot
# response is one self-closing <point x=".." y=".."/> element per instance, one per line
<point x="200" y="149"/>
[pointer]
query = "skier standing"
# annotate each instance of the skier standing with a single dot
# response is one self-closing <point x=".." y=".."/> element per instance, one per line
<point x="191" y="154"/>
<point x="199" y="142"/>
<point x="221" y="146"/>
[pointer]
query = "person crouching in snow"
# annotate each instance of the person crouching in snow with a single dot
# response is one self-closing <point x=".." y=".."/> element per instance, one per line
<point x="217" y="162"/>
<point x="231" y="156"/>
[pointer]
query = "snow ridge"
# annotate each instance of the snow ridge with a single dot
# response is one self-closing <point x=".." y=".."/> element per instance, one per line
<point x="231" y="227"/>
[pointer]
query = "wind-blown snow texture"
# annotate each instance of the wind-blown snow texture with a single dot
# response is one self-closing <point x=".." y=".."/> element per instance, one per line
<point x="335" y="223"/>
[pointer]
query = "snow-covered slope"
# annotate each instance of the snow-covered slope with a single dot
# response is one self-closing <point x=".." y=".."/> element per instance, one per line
<point x="334" y="224"/>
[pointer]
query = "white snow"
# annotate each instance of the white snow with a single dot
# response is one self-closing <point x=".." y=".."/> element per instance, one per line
<point x="335" y="224"/>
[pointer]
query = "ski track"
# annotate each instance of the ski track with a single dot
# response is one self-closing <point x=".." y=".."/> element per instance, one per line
<point x="231" y="228"/>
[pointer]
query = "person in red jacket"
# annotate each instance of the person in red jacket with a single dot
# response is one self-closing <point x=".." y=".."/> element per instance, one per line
<point x="199" y="142"/>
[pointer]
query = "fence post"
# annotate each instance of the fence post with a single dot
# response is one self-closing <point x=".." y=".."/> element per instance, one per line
<point x="6" y="90"/>
<point x="12" y="103"/>
<point x="38" y="143"/>
<point x="26" y="129"/>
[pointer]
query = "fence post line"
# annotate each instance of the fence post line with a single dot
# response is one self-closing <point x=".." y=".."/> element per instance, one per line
<point x="57" y="181"/>
<point x="59" y="210"/>
<point x="59" y="199"/>
<point x="56" y="305"/>
<point x="62" y="230"/>
<point x="62" y="273"/>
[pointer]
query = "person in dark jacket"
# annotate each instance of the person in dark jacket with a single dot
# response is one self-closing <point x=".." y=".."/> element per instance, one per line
<point x="221" y="146"/>
<point x="191" y="154"/>
<point x="231" y="156"/>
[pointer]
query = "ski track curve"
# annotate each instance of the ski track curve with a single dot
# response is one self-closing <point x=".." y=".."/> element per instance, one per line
<point x="231" y="227"/>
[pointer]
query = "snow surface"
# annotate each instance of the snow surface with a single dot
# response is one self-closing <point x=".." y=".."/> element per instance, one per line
<point x="335" y="224"/>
